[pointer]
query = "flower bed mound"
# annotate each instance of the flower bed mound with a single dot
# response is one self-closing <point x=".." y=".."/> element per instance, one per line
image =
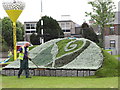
<point x="65" y="53"/>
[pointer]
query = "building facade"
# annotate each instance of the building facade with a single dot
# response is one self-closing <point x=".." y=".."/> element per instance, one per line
<point x="112" y="35"/>
<point x="69" y="28"/>
<point x="29" y="27"/>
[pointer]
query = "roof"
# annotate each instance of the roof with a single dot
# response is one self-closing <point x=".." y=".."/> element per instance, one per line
<point x="65" y="21"/>
<point x="76" y="25"/>
<point x="30" y="21"/>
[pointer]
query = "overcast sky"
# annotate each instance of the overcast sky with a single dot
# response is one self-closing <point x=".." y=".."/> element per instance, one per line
<point x="55" y="8"/>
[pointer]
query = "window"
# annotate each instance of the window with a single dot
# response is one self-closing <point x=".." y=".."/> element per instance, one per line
<point x="112" y="30"/>
<point x="32" y="31"/>
<point x="63" y="25"/>
<point x="67" y="30"/>
<point x="63" y="30"/>
<point x="32" y="26"/>
<point x="27" y="26"/>
<point x="67" y="25"/>
<point x="112" y="43"/>
<point x="27" y="31"/>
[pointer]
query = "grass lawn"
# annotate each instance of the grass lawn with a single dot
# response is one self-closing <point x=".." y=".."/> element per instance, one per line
<point x="59" y="82"/>
<point x="110" y="66"/>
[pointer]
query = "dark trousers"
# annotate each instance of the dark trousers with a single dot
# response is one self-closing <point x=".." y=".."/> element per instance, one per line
<point x="24" y="66"/>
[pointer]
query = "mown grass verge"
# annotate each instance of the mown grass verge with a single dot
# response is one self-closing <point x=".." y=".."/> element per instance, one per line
<point x="59" y="82"/>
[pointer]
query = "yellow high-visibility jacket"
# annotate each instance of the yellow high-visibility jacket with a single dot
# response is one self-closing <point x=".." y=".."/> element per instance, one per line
<point x="21" y="55"/>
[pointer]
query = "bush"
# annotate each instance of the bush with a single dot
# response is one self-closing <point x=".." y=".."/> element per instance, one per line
<point x="88" y="33"/>
<point x="34" y="39"/>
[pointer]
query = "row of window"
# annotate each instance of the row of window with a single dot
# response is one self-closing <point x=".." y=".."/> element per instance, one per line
<point x="33" y="26"/>
<point x="30" y="26"/>
<point x="35" y="31"/>
<point x="65" y="25"/>
<point x="30" y="31"/>
<point x="67" y="30"/>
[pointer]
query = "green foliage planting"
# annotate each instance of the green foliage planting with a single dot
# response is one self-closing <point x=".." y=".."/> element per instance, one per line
<point x="110" y="66"/>
<point x="61" y="44"/>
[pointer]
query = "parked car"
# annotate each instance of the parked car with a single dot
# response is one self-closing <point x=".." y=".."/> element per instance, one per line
<point x="21" y="43"/>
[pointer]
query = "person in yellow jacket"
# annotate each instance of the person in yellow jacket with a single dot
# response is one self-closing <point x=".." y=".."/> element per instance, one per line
<point x="10" y="53"/>
<point x="23" y="56"/>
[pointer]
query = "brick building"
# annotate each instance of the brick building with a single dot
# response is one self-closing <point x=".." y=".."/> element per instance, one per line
<point x="112" y="35"/>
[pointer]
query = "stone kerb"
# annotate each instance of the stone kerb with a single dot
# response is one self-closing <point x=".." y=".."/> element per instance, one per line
<point x="57" y="73"/>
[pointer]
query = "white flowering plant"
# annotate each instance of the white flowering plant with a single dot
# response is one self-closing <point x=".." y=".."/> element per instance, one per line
<point x="66" y="53"/>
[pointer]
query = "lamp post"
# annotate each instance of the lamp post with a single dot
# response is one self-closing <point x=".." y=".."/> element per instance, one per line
<point x="42" y="38"/>
<point x="13" y="8"/>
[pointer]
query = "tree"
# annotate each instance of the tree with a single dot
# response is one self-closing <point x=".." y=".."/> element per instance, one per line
<point x="103" y="13"/>
<point x="7" y="31"/>
<point x="20" y="31"/>
<point x="3" y="44"/>
<point x="88" y="33"/>
<point x="34" y="39"/>
<point x="51" y="28"/>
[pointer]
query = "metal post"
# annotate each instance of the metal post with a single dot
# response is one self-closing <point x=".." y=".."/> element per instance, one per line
<point x="14" y="8"/>
<point x="42" y="33"/>
<point x="14" y="40"/>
